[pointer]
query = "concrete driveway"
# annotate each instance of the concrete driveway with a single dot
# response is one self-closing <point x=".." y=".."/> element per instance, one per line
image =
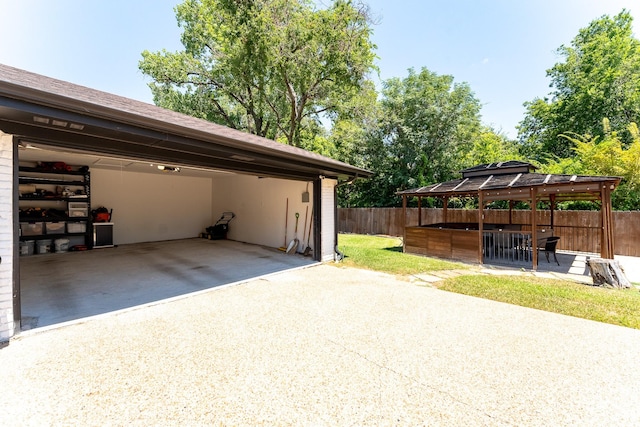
<point x="329" y="346"/>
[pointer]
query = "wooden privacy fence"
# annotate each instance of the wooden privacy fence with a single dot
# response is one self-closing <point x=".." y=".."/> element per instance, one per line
<point x="578" y="230"/>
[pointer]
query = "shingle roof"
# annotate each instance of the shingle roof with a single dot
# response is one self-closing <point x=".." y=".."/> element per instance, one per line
<point x="45" y="91"/>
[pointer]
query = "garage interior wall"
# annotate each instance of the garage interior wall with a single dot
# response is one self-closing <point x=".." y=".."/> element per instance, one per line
<point x="260" y="205"/>
<point x="152" y="207"/>
<point x="7" y="250"/>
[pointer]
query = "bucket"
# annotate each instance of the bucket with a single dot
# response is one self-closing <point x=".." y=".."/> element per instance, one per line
<point x="61" y="245"/>
<point x="44" y="246"/>
<point x="26" y="247"/>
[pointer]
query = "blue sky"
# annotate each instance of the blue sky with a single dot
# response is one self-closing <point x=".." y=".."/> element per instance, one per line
<point x="501" y="48"/>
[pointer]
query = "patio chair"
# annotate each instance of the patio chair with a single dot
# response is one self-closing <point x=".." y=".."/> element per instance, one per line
<point x="548" y="245"/>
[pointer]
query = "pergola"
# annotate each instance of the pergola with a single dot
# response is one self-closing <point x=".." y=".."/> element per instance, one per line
<point x="509" y="181"/>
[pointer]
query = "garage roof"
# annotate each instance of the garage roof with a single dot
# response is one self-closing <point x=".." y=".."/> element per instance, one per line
<point x="41" y="109"/>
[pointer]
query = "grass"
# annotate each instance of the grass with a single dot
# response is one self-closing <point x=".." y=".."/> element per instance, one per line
<point x="385" y="254"/>
<point x="618" y="307"/>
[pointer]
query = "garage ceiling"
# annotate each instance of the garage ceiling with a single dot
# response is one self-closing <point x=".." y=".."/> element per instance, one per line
<point x="46" y="112"/>
<point x="30" y="152"/>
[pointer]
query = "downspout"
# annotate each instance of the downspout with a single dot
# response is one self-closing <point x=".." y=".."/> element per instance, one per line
<point x="317" y="219"/>
<point x="16" y="292"/>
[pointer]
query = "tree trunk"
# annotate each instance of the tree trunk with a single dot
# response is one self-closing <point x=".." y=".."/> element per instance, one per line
<point x="608" y="272"/>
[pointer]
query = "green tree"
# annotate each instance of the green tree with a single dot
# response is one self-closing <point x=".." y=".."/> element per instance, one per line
<point x="606" y="155"/>
<point x="489" y="146"/>
<point x="599" y="78"/>
<point x="269" y="67"/>
<point x="425" y="127"/>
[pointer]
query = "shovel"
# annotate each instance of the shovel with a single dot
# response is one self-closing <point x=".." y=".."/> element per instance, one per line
<point x="286" y="215"/>
<point x="293" y="245"/>
<point x="306" y="215"/>
<point x="307" y="250"/>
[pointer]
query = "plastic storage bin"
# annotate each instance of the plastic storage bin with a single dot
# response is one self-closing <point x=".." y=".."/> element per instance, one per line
<point x="31" y="228"/>
<point x="55" y="227"/>
<point x="61" y="245"/>
<point x="76" y="227"/>
<point x="78" y="213"/>
<point x="27" y="247"/>
<point x="44" y="246"/>
<point x="78" y="210"/>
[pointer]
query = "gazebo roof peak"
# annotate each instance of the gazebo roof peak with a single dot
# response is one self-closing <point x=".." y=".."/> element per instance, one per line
<point x="498" y="168"/>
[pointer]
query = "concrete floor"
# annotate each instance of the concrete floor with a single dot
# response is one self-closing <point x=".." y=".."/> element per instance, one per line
<point x="58" y="288"/>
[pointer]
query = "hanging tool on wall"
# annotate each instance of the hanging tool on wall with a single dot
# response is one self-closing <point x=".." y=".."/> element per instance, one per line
<point x="286" y="217"/>
<point x="307" y="250"/>
<point x="306" y="215"/>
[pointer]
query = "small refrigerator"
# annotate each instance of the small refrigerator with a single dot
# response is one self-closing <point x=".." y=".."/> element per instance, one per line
<point x="102" y="235"/>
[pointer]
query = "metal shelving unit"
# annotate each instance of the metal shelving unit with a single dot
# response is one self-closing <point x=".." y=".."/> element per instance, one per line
<point x="58" y="191"/>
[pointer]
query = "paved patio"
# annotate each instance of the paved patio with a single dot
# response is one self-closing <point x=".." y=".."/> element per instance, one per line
<point x="571" y="264"/>
<point x="324" y="345"/>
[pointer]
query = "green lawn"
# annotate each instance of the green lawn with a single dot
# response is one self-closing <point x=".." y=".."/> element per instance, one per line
<point x="618" y="307"/>
<point x="385" y="254"/>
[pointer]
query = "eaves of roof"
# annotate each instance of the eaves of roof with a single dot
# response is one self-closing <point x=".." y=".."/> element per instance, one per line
<point x="167" y="129"/>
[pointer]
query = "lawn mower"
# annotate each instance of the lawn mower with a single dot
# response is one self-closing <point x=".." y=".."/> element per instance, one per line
<point x="219" y="230"/>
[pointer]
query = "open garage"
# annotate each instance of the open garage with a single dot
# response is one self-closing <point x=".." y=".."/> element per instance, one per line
<point x="163" y="178"/>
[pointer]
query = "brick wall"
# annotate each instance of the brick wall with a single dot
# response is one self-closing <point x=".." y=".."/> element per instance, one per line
<point x="6" y="237"/>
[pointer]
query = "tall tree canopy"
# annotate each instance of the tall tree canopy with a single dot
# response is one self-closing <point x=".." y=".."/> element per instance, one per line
<point x="606" y="155"/>
<point x="264" y="66"/>
<point x="598" y="79"/>
<point x="489" y="146"/>
<point x="425" y="124"/>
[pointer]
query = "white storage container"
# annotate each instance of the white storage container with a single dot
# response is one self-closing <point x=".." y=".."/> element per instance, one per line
<point x="78" y="205"/>
<point x="76" y="227"/>
<point x="27" y="247"/>
<point x="44" y="246"/>
<point x="78" y="213"/>
<point x="78" y="210"/>
<point x="61" y="245"/>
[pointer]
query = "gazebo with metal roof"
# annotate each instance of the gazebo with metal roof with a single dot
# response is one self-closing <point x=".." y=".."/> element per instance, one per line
<point x="508" y="181"/>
